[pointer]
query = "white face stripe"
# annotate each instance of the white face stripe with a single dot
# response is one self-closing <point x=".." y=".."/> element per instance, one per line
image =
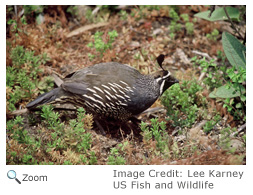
<point x="167" y="75"/>
<point x="164" y="77"/>
<point x="161" y="87"/>
<point x="157" y="80"/>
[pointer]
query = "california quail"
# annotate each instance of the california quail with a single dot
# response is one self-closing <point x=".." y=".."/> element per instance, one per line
<point x="110" y="90"/>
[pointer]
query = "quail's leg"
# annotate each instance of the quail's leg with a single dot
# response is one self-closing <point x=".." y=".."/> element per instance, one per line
<point x="100" y="127"/>
<point x="121" y="132"/>
<point x="135" y="121"/>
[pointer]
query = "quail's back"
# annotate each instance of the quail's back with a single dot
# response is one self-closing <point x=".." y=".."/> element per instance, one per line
<point x="109" y="90"/>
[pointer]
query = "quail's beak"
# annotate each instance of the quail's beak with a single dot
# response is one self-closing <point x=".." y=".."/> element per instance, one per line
<point x="176" y="81"/>
<point x="173" y="80"/>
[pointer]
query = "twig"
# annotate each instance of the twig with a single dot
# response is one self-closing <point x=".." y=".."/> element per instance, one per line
<point x="122" y="7"/>
<point x="231" y="22"/>
<point x="202" y="75"/>
<point x="241" y="128"/>
<point x="212" y="8"/>
<point x="19" y="112"/>
<point x="202" y="54"/>
<point x="153" y="110"/>
<point x="86" y="28"/>
<point x="95" y="11"/>
<point x="16" y="11"/>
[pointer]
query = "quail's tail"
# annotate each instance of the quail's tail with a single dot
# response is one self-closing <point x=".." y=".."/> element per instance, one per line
<point x="44" y="98"/>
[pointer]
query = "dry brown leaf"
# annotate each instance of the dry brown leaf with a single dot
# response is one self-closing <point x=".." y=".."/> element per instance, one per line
<point x="86" y="28"/>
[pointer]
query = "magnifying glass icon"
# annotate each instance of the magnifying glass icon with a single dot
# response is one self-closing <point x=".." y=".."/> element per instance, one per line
<point x="12" y="175"/>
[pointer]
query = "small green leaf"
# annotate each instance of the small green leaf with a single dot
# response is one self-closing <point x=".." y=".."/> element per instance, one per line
<point x="219" y="14"/>
<point x="243" y="98"/>
<point x="238" y="105"/>
<point x="223" y="92"/>
<point x="234" y="50"/>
